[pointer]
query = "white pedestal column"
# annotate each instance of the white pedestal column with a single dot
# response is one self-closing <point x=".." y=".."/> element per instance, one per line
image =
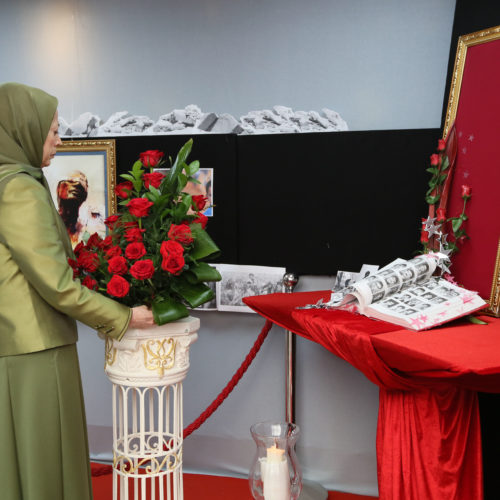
<point x="147" y="368"/>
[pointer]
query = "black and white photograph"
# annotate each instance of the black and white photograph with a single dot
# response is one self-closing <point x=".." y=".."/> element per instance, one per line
<point x="419" y="291"/>
<point x="375" y="284"/>
<point x="212" y="304"/>
<point x="345" y="279"/>
<point x="243" y="281"/>
<point x="390" y="303"/>
<point x="409" y="312"/>
<point x="447" y="292"/>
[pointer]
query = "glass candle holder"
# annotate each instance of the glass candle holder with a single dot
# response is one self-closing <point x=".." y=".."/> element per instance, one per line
<point x="275" y="472"/>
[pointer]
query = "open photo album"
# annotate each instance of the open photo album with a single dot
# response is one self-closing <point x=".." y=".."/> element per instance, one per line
<point x="406" y="293"/>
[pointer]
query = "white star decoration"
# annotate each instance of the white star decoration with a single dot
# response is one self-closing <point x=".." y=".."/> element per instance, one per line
<point x="430" y="227"/>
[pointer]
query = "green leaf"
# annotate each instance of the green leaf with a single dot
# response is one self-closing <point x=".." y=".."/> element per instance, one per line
<point x="167" y="310"/>
<point x="475" y="320"/>
<point x="178" y="165"/>
<point x="155" y="191"/>
<point x="431" y="200"/>
<point x="203" y="245"/>
<point x="137" y="169"/>
<point x="202" y="272"/>
<point x="192" y="168"/>
<point x="445" y="163"/>
<point x="182" y="208"/>
<point x="194" y="295"/>
<point x="127" y="176"/>
<point x="183" y="180"/>
<point x="151" y="197"/>
<point x="456" y="224"/>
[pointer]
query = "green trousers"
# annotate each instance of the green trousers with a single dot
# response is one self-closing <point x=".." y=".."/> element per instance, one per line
<point x="43" y="433"/>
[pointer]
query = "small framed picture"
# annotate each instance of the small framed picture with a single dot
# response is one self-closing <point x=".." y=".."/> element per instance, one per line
<point x="82" y="180"/>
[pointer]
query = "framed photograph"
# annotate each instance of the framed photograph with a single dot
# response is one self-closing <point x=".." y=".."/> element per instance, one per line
<point x="244" y="281"/>
<point x="472" y="121"/>
<point x="82" y="180"/>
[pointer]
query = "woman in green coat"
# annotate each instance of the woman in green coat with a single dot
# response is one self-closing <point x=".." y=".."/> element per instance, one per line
<point x="43" y="440"/>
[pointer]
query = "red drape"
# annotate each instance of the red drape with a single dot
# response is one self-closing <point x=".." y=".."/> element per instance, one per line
<point x="428" y="434"/>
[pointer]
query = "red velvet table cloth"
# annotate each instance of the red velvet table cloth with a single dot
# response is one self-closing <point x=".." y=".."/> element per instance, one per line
<point x="428" y="432"/>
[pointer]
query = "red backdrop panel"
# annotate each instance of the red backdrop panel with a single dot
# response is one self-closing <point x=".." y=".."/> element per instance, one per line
<point x="478" y="165"/>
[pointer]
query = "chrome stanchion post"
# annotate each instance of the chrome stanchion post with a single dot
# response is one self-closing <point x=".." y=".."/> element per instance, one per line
<point x="289" y="282"/>
<point x="310" y="490"/>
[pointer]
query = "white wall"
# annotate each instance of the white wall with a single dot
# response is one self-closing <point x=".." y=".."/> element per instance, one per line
<point x="380" y="64"/>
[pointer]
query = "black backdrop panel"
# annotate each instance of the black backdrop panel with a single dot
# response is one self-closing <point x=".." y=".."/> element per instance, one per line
<point x="212" y="151"/>
<point x="320" y="202"/>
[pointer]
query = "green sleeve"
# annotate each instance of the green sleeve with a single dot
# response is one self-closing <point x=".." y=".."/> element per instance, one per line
<point x="28" y="228"/>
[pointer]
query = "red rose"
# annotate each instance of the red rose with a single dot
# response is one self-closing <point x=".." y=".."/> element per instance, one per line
<point x="199" y="201"/>
<point x="124" y="189"/>
<point x="94" y="241"/>
<point x="134" y="234"/>
<point x="74" y="265"/>
<point x="139" y="207"/>
<point x="150" y="158"/>
<point x="111" y="221"/>
<point x="424" y="235"/>
<point x="441" y="215"/>
<point x="135" y="250"/>
<point x="202" y="219"/>
<point x="113" y="252"/>
<point x="88" y="261"/>
<point x="106" y="243"/>
<point x="441" y="145"/>
<point x="181" y="233"/>
<point x="142" y="269"/>
<point x="118" y="286"/>
<point x="154" y="179"/>
<point x="90" y="283"/>
<point x="466" y="190"/>
<point x="173" y="263"/>
<point x="171" y="247"/>
<point x="117" y="265"/>
<point x="79" y="248"/>
<point x="434" y="160"/>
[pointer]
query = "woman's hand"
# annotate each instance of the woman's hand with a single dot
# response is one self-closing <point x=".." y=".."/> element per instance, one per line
<point x="142" y="317"/>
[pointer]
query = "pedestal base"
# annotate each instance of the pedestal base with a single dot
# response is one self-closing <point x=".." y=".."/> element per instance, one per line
<point x="147" y="368"/>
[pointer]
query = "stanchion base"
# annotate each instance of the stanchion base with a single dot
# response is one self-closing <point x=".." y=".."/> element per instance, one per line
<point x="312" y="491"/>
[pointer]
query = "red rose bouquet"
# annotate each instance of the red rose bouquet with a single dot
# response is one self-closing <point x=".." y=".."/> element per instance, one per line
<point x="155" y="250"/>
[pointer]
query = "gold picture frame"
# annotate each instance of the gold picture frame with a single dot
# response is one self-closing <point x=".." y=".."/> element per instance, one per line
<point x="82" y="180"/>
<point x="474" y="66"/>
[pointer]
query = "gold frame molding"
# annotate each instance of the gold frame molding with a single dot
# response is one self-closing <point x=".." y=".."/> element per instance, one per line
<point x="464" y="42"/>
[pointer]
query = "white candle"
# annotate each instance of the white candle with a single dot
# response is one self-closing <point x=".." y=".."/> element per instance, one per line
<point x="275" y="475"/>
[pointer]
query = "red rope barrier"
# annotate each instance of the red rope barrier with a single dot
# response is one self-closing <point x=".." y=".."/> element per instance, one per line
<point x="103" y="469"/>
<point x="232" y="383"/>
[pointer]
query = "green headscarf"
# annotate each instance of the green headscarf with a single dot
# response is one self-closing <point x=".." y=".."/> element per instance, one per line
<point x="26" y="114"/>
